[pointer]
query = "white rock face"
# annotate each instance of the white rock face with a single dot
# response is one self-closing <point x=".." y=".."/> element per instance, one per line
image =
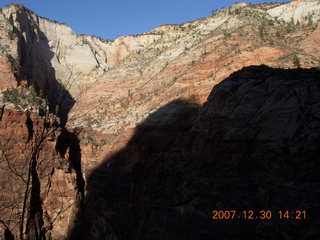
<point x="301" y="10"/>
<point x="75" y="60"/>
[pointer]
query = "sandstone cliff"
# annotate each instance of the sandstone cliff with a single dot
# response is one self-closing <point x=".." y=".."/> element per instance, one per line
<point x="120" y="81"/>
<point x="134" y="138"/>
<point x="40" y="185"/>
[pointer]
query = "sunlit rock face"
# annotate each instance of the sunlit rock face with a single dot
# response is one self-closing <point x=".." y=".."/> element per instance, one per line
<point x="122" y="79"/>
<point x="50" y="51"/>
<point x="297" y="11"/>
<point x="160" y="108"/>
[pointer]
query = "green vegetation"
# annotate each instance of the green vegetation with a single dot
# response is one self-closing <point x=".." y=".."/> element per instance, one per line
<point x="262" y="29"/>
<point x="213" y="12"/>
<point x="296" y="61"/>
<point x="130" y="93"/>
<point x="226" y="35"/>
<point x="174" y="79"/>
<point x="125" y="104"/>
<point x="237" y="11"/>
<point x="142" y="96"/>
<point x="11" y="34"/>
<point x="92" y="122"/>
<point x="310" y="21"/>
<point x="23" y="98"/>
<point x="93" y="141"/>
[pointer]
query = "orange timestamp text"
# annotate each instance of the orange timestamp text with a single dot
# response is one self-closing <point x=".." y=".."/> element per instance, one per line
<point x="255" y="215"/>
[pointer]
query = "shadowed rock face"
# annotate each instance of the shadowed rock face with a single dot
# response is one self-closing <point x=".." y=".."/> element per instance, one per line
<point x="33" y="158"/>
<point x="253" y="146"/>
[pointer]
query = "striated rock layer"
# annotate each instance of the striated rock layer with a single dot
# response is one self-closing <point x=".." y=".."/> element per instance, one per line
<point x="119" y="83"/>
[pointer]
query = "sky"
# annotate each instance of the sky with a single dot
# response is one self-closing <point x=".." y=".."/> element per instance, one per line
<point x="111" y="18"/>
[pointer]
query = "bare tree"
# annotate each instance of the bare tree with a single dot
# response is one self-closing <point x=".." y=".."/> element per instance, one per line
<point x="23" y="163"/>
<point x="20" y="166"/>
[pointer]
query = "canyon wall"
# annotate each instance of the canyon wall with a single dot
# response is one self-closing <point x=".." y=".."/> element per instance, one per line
<point x="252" y="146"/>
<point x="152" y="127"/>
<point x="39" y="190"/>
<point x="119" y="82"/>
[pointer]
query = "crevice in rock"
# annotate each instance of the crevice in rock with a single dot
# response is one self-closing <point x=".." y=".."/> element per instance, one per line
<point x="35" y="66"/>
<point x="32" y="199"/>
<point x="69" y="142"/>
<point x="29" y="124"/>
<point x="35" y="220"/>
<point x="8" y="235"/>
<point x="1" y="112"/>
<point x="7" y="232"/>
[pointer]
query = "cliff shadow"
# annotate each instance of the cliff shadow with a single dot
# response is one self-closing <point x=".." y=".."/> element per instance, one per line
<point x="251" y="149"/>
<point x="68" y="144"/>
<point x="35" y="67"/>
<point x="141" y="181"/>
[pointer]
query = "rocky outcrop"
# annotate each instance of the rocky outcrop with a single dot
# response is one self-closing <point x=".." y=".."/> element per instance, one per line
<point x="252" y="146"/>
<point x="297" y="11"/>
<point x="7" y="78"/>
<point x="41" y="184"/>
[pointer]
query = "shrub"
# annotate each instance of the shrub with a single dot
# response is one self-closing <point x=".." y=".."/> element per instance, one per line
<point x="226" y="35"/>
<point x="125" y="104"/>
<point x="296" y="61"/>
<point x="213" y="12"/>
<point x="262" y="30"/>
<point x="92" y="122"/>
<point x="23" y="98"/>
<point x="310" y="21"/>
